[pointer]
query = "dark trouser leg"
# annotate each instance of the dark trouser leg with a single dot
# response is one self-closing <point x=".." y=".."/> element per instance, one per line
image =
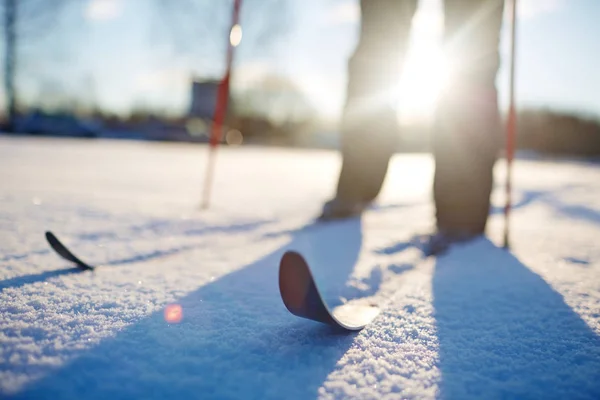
<point x="468" y="128"/>
<point x="369" y="120"/>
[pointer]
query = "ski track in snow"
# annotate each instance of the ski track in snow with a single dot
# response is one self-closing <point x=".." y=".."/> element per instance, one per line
<point x="479" y="322"/>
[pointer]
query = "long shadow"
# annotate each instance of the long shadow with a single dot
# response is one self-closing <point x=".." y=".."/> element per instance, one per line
<point x="152" y="255"/>
<point x="419" y="241"/>
<point x="574" y="211"/>
<point x="32" y="278"/>
<point x="316" y="223"/>
<point x="399" y="247"/>
<point x="528" y="197"/>
<point x="159" y="228"/>
<point x="168" y="227"/>
<point x="505" y="333"/>
<point x="21" y="256"/>
<point x="236" y="339"/>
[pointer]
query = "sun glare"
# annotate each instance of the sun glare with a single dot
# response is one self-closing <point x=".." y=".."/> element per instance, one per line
<point x="421" y="82"/>
<point x="425" y="71"/>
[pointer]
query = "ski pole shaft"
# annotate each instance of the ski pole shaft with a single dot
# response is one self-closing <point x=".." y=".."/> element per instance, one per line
<point x="511" y="126"/>
<point x="220" y="108"/>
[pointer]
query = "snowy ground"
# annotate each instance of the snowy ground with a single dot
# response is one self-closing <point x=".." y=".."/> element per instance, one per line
<point x="479" y="322"/>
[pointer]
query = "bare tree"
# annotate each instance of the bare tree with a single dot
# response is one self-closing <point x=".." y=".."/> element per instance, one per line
<point x="23" y="20"/>
<point x="199" y="28"/>
<point x="10" y="59"/>
<point x="276" y="98"/>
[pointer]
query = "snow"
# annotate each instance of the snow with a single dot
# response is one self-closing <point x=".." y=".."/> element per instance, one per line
<point x="479" y="322"/>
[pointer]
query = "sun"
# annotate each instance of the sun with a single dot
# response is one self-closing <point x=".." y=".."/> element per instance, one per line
<point x="421" y="82"/>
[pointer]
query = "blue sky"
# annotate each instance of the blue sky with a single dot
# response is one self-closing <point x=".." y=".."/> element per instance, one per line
<point x="121" y="61"/>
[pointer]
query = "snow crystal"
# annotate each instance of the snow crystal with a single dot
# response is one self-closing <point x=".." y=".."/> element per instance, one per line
<point x="185" y="303"/>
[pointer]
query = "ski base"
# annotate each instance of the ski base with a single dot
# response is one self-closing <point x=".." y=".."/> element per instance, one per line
<point x="301" y="297"/>
<point x="65" y="253"/>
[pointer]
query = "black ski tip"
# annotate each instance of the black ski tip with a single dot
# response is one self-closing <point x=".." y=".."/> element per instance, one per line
<point x="65" y="253"/>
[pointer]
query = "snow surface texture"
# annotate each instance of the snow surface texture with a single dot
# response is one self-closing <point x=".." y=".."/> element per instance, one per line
<point x="478" y="322"/>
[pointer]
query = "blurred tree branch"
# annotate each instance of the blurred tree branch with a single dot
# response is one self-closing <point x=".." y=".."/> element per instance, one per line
<point x="200" y="28"/>
<point x="23" y="20"/>
<point x="277" y="98"/>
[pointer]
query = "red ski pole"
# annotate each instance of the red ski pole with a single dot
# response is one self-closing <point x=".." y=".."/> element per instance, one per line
<point x="221" y="104"/>
<point x="511" y="127"/>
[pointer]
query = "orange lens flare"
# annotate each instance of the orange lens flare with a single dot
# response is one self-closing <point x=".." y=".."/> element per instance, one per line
<point x="173" y="313"/>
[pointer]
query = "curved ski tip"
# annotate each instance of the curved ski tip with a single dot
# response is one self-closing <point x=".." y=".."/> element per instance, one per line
<point x="292" y="256"/>
<point x="64" y="252"/>
<point x="53" y="241"/>
<point x="302" y="298"/>
<point x="294" y="281"/>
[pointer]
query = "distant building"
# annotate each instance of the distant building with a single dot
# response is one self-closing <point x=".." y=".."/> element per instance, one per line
<point x="204" y="97"/>
<point x="202" y="109"/>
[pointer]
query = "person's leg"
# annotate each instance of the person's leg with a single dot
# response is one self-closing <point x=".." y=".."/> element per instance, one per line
<point x="468" y="128"/>
<point x="369" y="119"/>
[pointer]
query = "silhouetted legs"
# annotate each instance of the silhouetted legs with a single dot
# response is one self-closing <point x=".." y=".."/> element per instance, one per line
<point x="467" y="132"/>
<point x="467" y="127"/>
<point x="369" y="119"/>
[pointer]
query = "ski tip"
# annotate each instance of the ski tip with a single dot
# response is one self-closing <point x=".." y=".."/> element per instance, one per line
<point x="55" y="243"/>
<point x="294" y="281"/>
<point x="65" y="253"/>
<point x="301" y="297"/>
<point x="294" y="256"/>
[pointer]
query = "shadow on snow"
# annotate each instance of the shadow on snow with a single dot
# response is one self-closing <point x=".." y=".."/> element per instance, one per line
<point x="236" y="339"/>
<point x="505" y="333"/>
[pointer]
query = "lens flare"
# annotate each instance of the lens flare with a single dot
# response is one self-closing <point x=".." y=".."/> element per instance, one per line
<point x="234" y="137"/>
<point x="235" y="36"/>
<point x="173" y="313"/>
